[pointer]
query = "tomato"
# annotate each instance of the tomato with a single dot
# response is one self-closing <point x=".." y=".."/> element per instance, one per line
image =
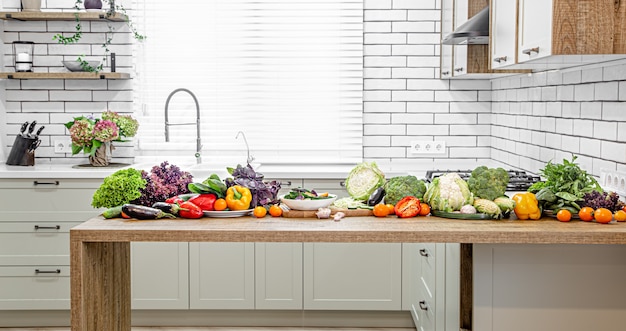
<point x="381" y="210"/>
<point x="276" y="211"/>
<point x="259" y="211"/>
<point x="586" y="214"/>
<point x="220" y="204"/>
<point x="424" y="209"/>
<point x="564" y="215"/>
<point x="391" y="207"/>
<point x="603" y="215"/>
<point x="620" y="215"/>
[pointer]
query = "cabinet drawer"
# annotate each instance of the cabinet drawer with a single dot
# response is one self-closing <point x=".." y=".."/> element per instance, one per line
<point x="46" y="287"/>
<point x="428" y="271"/>
<point x="334" y="186"/>
<point x="26" y="243"/>
<point x="286" y="184"/>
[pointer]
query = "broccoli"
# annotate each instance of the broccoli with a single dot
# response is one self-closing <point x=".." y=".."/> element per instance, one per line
<point x="488" y="183"/>
<point x="399" y="187"/>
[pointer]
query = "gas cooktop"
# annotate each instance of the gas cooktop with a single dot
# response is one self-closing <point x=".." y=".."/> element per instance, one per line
<point x="519" y="180"/>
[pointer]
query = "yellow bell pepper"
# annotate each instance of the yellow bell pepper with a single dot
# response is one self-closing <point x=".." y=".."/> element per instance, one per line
<point x="526" y="206"/>
<point x="238" y="197"/>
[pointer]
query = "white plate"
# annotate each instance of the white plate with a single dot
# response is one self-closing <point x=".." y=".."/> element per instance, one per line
<point x="226" y="213"/>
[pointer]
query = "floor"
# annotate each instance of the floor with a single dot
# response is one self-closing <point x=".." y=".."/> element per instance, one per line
<point x="226" y="329"/>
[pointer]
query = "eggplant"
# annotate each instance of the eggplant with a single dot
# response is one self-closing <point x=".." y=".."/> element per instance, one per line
<point x="112" y="212"/>
<point x="376" y="197"/>
<point x="171" y="208"/>
<point x="144" y="212"/>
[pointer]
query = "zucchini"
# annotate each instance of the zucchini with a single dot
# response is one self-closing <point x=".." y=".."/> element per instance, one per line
<point x="144" y="212"/>
<point x="112" y="212"/>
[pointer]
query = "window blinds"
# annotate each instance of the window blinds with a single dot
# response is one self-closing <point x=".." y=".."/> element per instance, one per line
<point x="287" y="73"/>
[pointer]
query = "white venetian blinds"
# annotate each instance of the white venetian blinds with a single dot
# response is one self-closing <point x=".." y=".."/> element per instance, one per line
<point x="288" y="73"/>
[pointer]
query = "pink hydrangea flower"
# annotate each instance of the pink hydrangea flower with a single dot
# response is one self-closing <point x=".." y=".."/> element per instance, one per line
<point x="81" y="133"/>
<point x="105" y="131"/>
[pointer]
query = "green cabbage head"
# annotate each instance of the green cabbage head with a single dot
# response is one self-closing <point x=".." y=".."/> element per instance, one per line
<point x="448" y="193"/>
<point x="364" y="179"/>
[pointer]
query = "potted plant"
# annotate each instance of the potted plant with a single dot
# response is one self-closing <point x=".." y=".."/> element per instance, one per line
<point x="94" y="136"/>
<point x="113" y="9"/>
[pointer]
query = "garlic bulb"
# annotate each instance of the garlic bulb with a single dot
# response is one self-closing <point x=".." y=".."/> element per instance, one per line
<point x="323" y="213"/>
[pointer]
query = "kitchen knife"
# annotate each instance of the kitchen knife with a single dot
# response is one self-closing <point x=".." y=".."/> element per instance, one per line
<point x="31" y="128"/>
<point x="39" y="131"/>
<point x="34" y="145"/>
<point x="23" y="128"/>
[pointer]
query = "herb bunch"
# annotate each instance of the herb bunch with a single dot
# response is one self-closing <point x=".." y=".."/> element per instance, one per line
<point x="263" y="193"/>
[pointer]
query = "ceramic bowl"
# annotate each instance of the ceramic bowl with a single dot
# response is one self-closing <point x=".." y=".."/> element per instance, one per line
<point x="308" y="204"/>
<point x="75" y="65"/>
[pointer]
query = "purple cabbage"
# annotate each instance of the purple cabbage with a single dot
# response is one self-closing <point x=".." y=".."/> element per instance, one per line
<point x="263" y="193"/>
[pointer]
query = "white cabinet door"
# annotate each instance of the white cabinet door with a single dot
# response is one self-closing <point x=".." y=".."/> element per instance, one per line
<point x="503" y="33"/>
<point x="221" y="275"/>
<point x="447" y="26"/>
<point x="549" y="287"/>
<point x="352" y="276"/>
<point x="160" y="275"/>
<point x="35" y="288"/>
<point x="278" y="269"/>
<point x="459" y="66"/>
<point x="334" y="186"/>
<point x="534" y="30"/>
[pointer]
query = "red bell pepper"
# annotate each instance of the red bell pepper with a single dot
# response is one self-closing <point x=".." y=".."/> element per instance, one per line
<point x="189" y="210"/>
<point x="408" y="206"/>
<point x="175" y="199"/>
<point x="205" y="201"/>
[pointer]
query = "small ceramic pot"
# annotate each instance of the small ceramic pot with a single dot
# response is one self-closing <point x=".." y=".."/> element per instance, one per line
<point x="31" y="5"/>
<point x="93" y="4"/>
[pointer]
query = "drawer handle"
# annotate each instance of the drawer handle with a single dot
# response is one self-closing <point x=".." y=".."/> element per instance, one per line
<point x="531" y="50"/>
<point x="424" y="252"/>
<point x="458" y="69"/>
<point x="56" y="227"/>
<point x="56" y="183"/>
<point x="57" y="271"/>
<point x="423" y="305"/>
<point x="445" y="73"/>
<point x="288" y="183"/>
<point x="342" y="183"/>
<point x="500" y="59"/>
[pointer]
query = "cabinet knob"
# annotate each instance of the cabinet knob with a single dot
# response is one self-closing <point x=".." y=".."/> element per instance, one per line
<point x="500" y="59"/>
<point x="424" y="252"/>
<point x="423" y="305"/>
<point x="531" y="50"/>
<point x="342" y="183"/>
<point x="287" y="183"/>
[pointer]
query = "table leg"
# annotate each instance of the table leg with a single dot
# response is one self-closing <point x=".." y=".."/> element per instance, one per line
<point x="100" y="286"/>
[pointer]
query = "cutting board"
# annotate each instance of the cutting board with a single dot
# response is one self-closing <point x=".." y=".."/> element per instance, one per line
<point x="311" y="213"/>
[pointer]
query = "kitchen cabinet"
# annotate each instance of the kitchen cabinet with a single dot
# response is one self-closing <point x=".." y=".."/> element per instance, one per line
<point x="278" y="280"/>
<point x="447" y="26"/>
<point x="286" y="184"/>
<point x="34" y="239"/>
<point x="160" y="275"/>
<point x="221" y="275"/>
<point x="63" y="16"/>
<point x="334" y="186"/>
<point x="356" y="276"/>
<point x="549" y="287"/>
<point x="556" y="34"/>
<point x="433" y="288"/>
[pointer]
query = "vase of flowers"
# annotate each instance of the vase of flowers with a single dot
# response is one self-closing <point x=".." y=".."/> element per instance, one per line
<point x="94" y="136"/>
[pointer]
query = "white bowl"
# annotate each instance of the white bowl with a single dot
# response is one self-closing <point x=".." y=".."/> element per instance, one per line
<point x="308" y="204"/>
<point x="75" y="65"/>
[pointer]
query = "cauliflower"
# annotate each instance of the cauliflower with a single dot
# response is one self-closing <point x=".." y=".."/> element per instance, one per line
<point x="401" y="186"/>
<point x="448" y="193"/>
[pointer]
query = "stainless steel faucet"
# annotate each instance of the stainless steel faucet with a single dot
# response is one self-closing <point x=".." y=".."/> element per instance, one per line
<point x="250" y="158"/>
<point x="167" y="123"/>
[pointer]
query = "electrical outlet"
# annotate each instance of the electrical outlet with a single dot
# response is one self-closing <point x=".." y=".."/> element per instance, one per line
<point x="428" y="147"/>
<point x="62" y="146"/>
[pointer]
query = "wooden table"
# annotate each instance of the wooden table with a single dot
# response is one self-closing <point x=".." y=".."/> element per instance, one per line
<point x="100" y="249"/>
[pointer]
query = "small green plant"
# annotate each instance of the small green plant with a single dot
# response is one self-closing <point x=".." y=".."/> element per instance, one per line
<point x="113" y="8"/>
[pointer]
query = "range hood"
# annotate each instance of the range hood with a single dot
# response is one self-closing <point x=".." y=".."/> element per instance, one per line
<point x="474" y="31"/>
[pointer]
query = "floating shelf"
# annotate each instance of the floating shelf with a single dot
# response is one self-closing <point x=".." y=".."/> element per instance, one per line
<point x="64" y="75"/>
<point x="62" y="16"/>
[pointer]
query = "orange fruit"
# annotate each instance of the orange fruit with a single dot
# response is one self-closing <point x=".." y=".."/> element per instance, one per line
<point x="564" y="215"/>
<point x="603" y="215"/>
<point x="220" y="204"/>
<point x="586" y="214"/>
<point x="424" y="209"/>
<point x="620" y="216"/>
<point x="259" y="211"/>
<point x="381" y="210"/>
<point x="391" y="207"/>
<point x="276" y="211"/>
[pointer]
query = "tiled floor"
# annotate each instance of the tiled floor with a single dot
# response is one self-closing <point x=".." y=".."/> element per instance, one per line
<point x="226" y="329"/>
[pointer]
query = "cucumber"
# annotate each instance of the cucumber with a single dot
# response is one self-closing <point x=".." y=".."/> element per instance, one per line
<point x="112" y="212"/>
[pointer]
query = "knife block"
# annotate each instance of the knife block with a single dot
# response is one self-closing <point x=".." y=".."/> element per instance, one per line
<point x="21" y="153"/>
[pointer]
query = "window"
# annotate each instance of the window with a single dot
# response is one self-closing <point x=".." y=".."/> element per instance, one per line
<point x="287" y="73"/>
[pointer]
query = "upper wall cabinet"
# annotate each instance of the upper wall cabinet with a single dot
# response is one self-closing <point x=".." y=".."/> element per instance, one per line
<point x="553" y="34"/>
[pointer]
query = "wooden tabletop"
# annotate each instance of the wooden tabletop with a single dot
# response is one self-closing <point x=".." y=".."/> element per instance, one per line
<point x="350" y="229"/>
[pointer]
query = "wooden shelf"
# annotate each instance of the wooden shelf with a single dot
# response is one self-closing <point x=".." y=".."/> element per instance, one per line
<point x="64" y="75"/>
<point x="62" y="16"/>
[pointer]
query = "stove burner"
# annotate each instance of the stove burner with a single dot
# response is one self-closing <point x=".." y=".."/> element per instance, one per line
<point x="519" y="180"/>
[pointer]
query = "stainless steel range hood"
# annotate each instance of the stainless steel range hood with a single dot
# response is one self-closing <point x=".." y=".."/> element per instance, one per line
<point x="474" y="31"/>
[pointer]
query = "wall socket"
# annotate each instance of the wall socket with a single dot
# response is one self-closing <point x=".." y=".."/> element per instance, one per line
<point x="428" y="147"/>
<point x="62" y="146"/>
